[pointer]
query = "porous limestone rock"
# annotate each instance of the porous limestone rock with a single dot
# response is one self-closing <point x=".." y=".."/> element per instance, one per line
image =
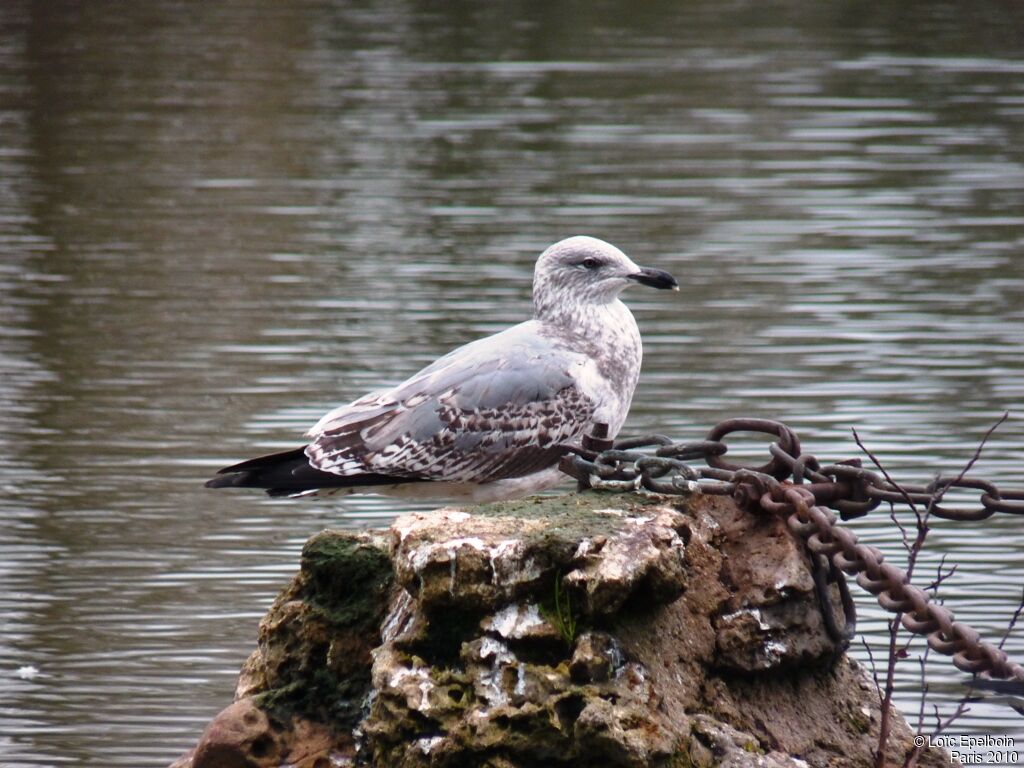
<point x="593" y="629"/>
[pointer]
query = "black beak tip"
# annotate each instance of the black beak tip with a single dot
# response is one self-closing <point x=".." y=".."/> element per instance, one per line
<point x="655" y="278"/>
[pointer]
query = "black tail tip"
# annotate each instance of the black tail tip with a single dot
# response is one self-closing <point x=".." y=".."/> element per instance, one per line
<point x="232" y="480"/>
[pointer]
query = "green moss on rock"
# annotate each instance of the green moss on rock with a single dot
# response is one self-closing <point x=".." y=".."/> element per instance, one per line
<point x="346" y="578"/>
<point x="316" y="641"/>
<point x="572" y="517"/>
<point x="583" y="507"/>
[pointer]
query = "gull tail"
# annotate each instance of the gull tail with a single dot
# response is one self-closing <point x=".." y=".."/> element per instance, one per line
<point x="289" y="473"/>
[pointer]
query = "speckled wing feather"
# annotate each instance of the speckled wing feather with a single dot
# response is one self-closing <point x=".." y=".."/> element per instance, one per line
<point x="494" y="409"/>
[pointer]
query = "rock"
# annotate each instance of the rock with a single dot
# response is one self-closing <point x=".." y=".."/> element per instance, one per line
<point x="240" y="736"/>
<point x="596" y="657"/>
<point x="245" y="736"/>
<point x="715" y="743"/>
<point x="647" y="554"/>
<point x="619" y="630"/>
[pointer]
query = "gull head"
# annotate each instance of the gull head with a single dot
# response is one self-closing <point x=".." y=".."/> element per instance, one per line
<point x="585" y="270"/>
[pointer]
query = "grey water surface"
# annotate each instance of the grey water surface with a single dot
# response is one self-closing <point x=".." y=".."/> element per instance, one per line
<point x="217" y="220"/>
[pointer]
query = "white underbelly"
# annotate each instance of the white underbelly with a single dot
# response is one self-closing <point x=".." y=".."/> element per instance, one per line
<point x="476" y="493"/>
<point x="479" y="493"/>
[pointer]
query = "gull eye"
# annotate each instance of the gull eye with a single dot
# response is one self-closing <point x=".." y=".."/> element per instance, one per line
<point x="589" y="263"/>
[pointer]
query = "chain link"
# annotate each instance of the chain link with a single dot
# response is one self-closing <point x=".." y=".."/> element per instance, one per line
<point x="795" y="486"/>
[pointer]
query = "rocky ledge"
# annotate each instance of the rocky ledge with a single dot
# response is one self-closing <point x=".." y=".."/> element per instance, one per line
<point x="593" y="629"/>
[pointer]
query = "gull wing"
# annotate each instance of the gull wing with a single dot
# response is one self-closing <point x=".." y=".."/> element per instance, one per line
<point x="498" y="408"/>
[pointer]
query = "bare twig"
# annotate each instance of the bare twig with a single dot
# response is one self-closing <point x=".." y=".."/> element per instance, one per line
<point x="941" y="575"/>
<point x="922" y="534"/>
<point x="940" y="493"/>
<point x="915" y="753"/>
<point x="923" y="661"/>
<point x="981" y="446"/>
<point x="902" y="529"/>
<point x="940" y="578"/>
<point x="885" y="722"/>
<point x="941" y="725"/>
<point x="963" y="705"/>
<point x="885" y="472"/>
<point x="913" y="549"/>
<point x="1013" y="621"/>
<point x="874" y="668"/>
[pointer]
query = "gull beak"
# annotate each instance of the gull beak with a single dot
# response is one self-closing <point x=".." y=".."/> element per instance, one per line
<point x="655" y="278"/>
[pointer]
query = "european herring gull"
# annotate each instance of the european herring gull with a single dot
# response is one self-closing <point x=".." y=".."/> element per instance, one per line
<point x="491" y="419"/>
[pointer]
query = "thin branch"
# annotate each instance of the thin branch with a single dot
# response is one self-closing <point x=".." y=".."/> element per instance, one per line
<point x="904" y="652"/>
<point x="1013" y="621"/>
<point x="918" y="545"/>
<point x="941" y="725"/>
<point x="962" y="706"/>
<point x="940" y="578"/>
<point x="896" y="652"/>
<point x="900" y="526"/>
<point x="913" y="550"/>
<point x="923" y="660"/>
<point x="874" y="668"/>
<point x="915" y="753"/>
<point x="940" y="493"/>
<point x="885" y="722"/>
<point x="885" y="472"/>
<point x="981" y="446"/>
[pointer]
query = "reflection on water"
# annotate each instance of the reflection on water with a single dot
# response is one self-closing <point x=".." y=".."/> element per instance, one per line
<point x="218" y="221"/>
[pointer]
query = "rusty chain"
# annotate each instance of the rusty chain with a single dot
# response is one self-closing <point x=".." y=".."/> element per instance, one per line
<point x="797" y="487"/>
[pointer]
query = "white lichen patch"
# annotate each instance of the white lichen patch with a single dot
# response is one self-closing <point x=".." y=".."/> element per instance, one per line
<point x="526" y="571"/>
<point x="445" y="551"/>
<point x="583" y="549"/>
<point x="494" y="692"/>
<point x="515" y="621"/>
<point x="427" y="745"/>
<point x="641" y="546"/>
<point x="415" y="684"/>
<point x="508" y="564"/>
<point x="491" y="687"/>
<point x="491" y="648"/>
<point x="754" y="612"/>
<point x="398" y="619"/>
<point x="775" y="650"/>
<point x="520" y="689"/>
<point x="507" y="558"/>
